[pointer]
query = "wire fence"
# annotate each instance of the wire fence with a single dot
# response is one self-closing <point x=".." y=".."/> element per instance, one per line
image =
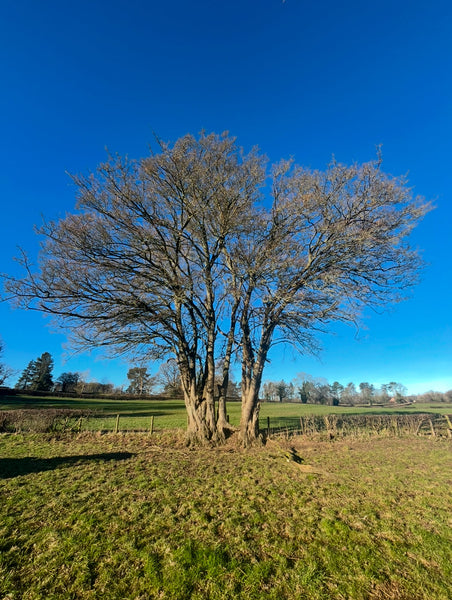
<point x="343" y="425"/>
<point x="331" y="426"/>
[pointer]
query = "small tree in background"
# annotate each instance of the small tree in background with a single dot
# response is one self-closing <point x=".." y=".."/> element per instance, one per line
<point x="68" y="381"/>
<point x="25" y="380"/>
<point x="37" y="375"/>
<point x="5" y="371"/>
<point x="367" y="392"/>
<point x="42" y="377"/>
<point x="168" y="377"/>
<point x="397" y="390"/>
<point x="141" y="381"/>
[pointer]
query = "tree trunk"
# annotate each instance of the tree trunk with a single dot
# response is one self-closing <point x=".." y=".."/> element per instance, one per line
<point x="201" y="426"/>
<point x="249" y="422"/>
<point x="223" y="427"/>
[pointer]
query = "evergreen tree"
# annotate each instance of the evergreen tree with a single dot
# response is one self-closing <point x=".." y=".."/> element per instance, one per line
<point x="42" y="376"/>
<point x="25" y="380"/>
<point x="140" y="381"/>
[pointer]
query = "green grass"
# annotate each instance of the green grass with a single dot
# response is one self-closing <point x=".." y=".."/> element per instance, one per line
<point x="140" y="517"/>
<point x="170" y="414"/>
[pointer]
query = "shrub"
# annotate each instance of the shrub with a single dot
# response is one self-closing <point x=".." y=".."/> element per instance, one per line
<point x="42" y="420"/>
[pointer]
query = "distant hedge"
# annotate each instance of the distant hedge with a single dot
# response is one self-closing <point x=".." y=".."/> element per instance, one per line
<point x="5" y="391"/>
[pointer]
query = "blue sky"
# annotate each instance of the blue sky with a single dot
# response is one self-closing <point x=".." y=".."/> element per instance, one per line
<point x="297" y="78"/>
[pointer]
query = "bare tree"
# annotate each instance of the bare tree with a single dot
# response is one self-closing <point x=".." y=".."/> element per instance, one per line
<point x="168" y="376"/>
<point x="140" y="268"/>
<point x="332" y="243"/>
<point x="179" y="256"/>
<point x="5" y="371"/>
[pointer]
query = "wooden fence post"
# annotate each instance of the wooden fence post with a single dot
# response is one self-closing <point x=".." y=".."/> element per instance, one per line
<point x="268" y="426"/>
<point x="449" y="429"/>
<point x="151" y="430"/>
<point x="117" y="424"/>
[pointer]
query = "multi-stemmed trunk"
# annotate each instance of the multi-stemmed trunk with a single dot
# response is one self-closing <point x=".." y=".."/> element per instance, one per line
<point x="223" y="426"/>
<point x="201" y="426"/>
<point x="252" y="370"/>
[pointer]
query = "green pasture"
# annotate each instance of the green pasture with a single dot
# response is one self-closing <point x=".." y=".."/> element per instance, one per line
<point x="135" y="415"/>
<point x="87" y="517"/>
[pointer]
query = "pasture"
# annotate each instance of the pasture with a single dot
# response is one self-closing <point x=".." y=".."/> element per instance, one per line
<point x="93" y="515"/>
<point x="135" y="414"/>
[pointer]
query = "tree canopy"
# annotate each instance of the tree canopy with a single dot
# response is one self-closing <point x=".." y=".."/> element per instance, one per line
<point x="37" y="376"/>
<point x="201" y="253"/>
<point x="141" y="382"/>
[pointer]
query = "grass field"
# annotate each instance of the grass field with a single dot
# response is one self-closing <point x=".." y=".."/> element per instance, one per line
<point x="170" y="414"/>
<point x="138" y="517"/>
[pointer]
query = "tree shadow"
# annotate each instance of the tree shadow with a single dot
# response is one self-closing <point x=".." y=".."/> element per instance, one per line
<point x="13" y="467"/>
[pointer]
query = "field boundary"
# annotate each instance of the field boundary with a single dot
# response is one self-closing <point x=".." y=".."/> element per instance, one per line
<point x="337" y="425"/>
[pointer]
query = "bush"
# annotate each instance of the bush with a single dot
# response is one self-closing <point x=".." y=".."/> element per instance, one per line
<point x="42" y="420"/>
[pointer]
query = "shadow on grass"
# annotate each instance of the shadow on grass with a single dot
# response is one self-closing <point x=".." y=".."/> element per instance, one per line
<point x="100" y="407"/>
<point x="13" y="467"/>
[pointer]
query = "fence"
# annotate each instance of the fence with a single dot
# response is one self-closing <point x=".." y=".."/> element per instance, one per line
<point x="342" y="425"/>
<point x="331" y="426"/>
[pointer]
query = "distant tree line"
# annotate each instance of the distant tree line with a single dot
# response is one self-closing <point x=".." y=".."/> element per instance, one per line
<point x="38" y="377"/>
<point x="319" y="391"/>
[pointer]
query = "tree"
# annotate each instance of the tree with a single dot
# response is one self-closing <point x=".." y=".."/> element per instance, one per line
<point x="269" y="391"/>
<point x="5" y="371"/>
<point x="141" y="381"/>
<point x="311" y="392"/>
<point x="385" y="396"/>
<point x="349" y="393"/>
<point x="367" y="392"/>
<point x="25" y="380"/>
<point x="42" y="373"/>
<point x="180" y="256"/>
<point x="333" y="243"/>
<point x="281" y="390"/>
<point x="37" y="375"/>
<point x="68" y="381"/>
<point x="303" y="392"/>
<point x="397" y="390"/>
<point x="168" y="376"/>
<point x="336" y="392"/>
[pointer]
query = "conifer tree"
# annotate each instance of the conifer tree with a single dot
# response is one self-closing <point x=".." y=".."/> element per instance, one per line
<point x="42" y="376"/>
<point x="25" y="380"/>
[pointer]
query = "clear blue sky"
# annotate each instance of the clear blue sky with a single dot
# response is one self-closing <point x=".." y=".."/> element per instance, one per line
<point x="297" y="78"/>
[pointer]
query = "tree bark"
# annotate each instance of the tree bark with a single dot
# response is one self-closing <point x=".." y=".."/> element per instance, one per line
<point x="201" y="426"/>
<point x="252" y="371"/>
<point x="249" y="423"/>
